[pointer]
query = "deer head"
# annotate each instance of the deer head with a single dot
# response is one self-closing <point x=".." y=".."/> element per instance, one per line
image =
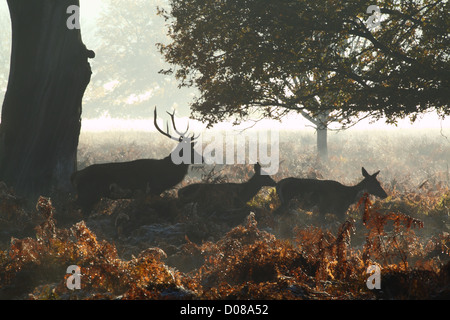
<point x="262" y="179"/>
<point x="372" y="185"/>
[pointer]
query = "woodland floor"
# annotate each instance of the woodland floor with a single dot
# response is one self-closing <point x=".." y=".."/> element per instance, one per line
<point x="158" y="248"/>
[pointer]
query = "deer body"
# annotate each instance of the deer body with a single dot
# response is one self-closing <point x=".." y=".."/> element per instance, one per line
<point x="144" y="176"/>
<point x="327" y="196"/>
<point x="235" y="195"/>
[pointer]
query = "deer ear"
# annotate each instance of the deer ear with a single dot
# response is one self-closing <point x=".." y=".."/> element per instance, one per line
<point x="375" y="174"/>
<point x="364" y="173"/>
<point x="257" y="168"/>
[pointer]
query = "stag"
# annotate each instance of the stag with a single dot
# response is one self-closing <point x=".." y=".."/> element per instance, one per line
<point x="142" y="176"/>
<point x="233" y="195"/>
<point x="327" y="196"/>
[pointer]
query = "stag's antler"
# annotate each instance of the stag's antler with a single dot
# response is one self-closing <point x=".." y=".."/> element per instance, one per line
<point x="172" y="117"/>
<point x="167" y="134"/>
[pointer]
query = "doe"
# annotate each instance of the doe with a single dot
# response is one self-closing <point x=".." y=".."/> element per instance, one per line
<point x="233" y="195"/>
<point x="327" y="196"/>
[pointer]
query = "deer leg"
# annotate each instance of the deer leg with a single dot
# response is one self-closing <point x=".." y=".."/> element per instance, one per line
<point x="284" y="201"/>
<point x="320" y="211"/>
<point x="278" y="211"/>
<point x="89" y="195"/>
<point x="341" y="214"/>
<point x="86" y="200"/>
<point x="282" y="208"/>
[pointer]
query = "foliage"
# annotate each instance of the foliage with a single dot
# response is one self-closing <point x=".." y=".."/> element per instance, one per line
<point x="245" y="263"/>
<point x="104" y="274"/>
<point x="273" y="57"/>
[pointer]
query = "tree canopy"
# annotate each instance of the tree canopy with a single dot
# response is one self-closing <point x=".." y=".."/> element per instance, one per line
<point x="277" y="56"/>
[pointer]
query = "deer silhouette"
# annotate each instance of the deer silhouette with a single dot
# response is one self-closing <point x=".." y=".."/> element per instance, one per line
<point x="142" y="176"/>
<point x="231" y="195"/>
<point x="327" y="196"/>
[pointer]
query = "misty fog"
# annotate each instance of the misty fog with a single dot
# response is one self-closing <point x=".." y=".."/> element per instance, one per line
<point x="139" y="242"/>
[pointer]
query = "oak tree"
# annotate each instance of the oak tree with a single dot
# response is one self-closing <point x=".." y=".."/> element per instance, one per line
<point x="267" y="58"/>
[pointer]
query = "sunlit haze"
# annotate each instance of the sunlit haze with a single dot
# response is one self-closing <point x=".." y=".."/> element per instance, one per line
<point x="291" y="122"/>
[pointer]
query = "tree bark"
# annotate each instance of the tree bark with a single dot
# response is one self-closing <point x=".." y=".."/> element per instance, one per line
<point x="322" y="136"/>
<point x="322" y="146"/>
<point x="41" y="115"/>
<point x="321" y="123"/>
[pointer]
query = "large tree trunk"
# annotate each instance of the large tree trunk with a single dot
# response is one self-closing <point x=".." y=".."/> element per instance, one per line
<point x="41" y="113"/>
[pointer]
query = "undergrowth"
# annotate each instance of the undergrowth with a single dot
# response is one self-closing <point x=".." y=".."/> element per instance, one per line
<point x="156" y="248"/>
<point x="246" y="263"/>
